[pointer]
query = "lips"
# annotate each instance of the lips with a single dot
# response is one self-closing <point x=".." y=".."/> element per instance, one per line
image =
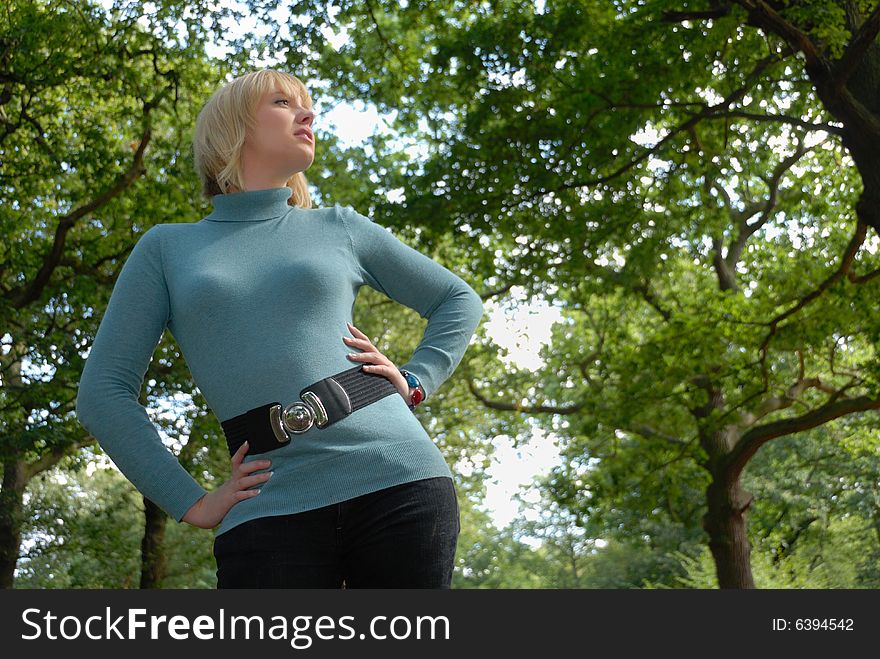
<point x="305" y="133"/>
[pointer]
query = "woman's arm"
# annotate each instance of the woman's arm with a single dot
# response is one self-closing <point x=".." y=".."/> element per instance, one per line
<point x="107" y="400"/>
<point x="452" y="307"/>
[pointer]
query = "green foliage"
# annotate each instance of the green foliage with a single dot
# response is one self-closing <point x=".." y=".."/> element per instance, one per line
<point x="86" y="533"/>
<point x="826" y="21"/>
<point x="832" y="567"/>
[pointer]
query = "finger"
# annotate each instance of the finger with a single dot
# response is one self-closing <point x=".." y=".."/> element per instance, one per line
<point x="254" y="465"/>
<point x="246" y="494"/>
<point x="378" y="359"/>
<point x="362" y="356"/>
<point x="356" y="332"/>
<point x="357" y="343"/>
<point x="238" y="456"/>
<point x="392" y="374"/>
<point x="249" y="481"/>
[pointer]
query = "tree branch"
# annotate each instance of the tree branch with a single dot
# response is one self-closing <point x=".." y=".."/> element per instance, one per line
<point x="716" y="10"/>
<point x="733" y="97"/>
<point x="753" y="439"/>
<point x="781" y="118"/>
<point x="844" y="267"/>
<point x="776" y="403"/>
<point x="863" y="279"/>
<point x="493" y="292"/>
<point x="621" y="279"/>
<point x="649" y="433"/>
<point x="21" y="296"/>
<point x="857" y="48"/>
<point x="766" y="207"/>
<point x="517" y="407"/>
<point x="764" y="16"/>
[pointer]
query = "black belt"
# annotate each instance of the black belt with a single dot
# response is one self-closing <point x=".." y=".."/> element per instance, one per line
<point x="323" y="403"/>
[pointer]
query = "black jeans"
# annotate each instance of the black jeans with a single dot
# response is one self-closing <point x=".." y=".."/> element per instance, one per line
<point x="398" y="537"/>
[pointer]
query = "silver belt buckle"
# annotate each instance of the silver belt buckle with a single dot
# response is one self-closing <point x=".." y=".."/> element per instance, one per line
<point x="317" y="407"/>
<point x="297" y="417"/>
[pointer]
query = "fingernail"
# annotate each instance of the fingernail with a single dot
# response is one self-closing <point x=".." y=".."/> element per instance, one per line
<point x="257" y="491"/>
<point x="270" y="474"/>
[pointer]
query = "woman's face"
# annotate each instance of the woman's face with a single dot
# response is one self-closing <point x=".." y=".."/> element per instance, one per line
<point x="274" y="148"/>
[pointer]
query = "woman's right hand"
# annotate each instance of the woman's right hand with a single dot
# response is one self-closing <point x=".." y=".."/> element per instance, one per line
<point x="209" y="511"/>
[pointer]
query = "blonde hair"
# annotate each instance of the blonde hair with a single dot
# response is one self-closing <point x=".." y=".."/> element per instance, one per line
<point x="221" y="127"/>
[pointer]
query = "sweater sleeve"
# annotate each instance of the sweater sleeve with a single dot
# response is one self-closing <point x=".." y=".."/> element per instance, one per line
<point x="107" y="398"/>
<point x="452" y="307"/>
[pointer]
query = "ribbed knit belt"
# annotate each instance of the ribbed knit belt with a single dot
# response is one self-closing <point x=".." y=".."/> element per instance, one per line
<point x="323" y="403"/>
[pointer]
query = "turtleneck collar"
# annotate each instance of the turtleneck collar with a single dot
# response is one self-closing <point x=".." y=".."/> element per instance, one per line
<point x="251" y="205"/>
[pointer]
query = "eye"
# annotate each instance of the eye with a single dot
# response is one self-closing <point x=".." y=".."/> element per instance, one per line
<point x="282" y="100"/>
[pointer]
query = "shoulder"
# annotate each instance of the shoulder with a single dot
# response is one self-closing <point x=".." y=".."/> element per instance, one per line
<point x="171" y="233"/>
<point x="150" y="240"/>
<point x="156" y="234"/>
<point x="347" y="213"/>
<point x="173" y="236"/>
<point x="163" y="234"/>
<point x="357" y="224"/>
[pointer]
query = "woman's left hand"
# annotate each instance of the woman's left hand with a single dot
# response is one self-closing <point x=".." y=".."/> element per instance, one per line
<point x="375" y="361"/>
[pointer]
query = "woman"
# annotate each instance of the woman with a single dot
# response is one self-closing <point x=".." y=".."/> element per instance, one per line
<point x="259" y="296"/>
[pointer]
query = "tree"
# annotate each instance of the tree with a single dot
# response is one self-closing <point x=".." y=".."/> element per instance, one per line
<point x="93" y="144"/>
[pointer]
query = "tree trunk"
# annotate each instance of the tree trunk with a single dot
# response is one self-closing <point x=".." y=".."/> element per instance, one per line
<point x="153" y="559"/>
<point x="725" y="523"/>
<point x="11" y="518"/>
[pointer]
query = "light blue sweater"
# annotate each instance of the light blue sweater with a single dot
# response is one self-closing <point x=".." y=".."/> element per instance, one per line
<point x="257" y="295"/>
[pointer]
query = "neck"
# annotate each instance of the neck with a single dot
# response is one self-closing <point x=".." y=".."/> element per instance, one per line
<point x="251" y="205"/>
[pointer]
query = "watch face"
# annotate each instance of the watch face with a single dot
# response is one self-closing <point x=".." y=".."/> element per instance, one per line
<point x="411" y="379"/>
